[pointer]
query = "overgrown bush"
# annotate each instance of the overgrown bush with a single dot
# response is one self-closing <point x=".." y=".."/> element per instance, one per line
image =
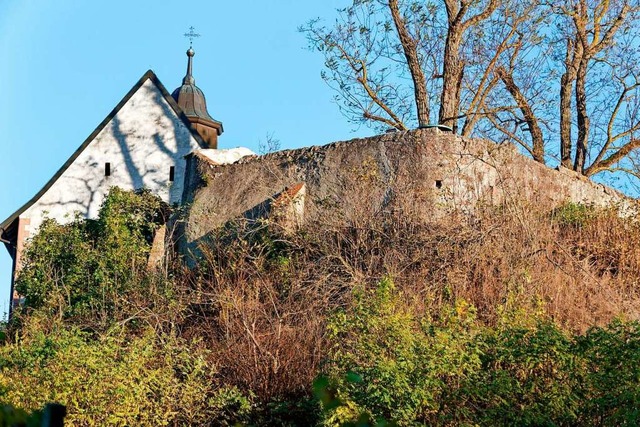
<point x="254" y="297"/>
<point x="407" y="366"/>
<point x="116" y="379"/>
<point x="609" y="375"/>
<point x="387" y="365"/>
<point x="84" y="268"/>
<point x="504" y="315"/>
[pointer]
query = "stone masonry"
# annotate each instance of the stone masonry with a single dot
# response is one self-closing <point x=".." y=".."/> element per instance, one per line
<point x="426" y="171"/>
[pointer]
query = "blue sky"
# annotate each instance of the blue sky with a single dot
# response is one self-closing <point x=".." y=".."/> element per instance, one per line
<point x="67" y="63"/>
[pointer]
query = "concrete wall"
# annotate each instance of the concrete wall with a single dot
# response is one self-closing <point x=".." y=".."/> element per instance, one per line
<point x="424" y="171"/>
<point x="141" y="142"/>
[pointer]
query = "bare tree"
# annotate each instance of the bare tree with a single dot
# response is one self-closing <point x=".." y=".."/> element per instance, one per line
<point x="500" y="69"/>
<point x="462" y="15"/>
<point x="270" y="144"/>
<point x="377" y="46"/>
<point x="409" y="45"/>
<point x="498" y="61"/>
<point x="599" y="39"/>
<point x="367" y="66"/>
<point x="597" y="85"/>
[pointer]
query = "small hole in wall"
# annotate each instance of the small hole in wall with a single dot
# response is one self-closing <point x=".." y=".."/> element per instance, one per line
<point x="172" y="173"/>
<point x="107" y="169"/>
<point x="438" y="183"/>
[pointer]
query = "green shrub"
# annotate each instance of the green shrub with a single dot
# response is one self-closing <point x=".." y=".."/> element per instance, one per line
<point x="574" y="214"/>
<point x="82" y="269"/>
<point x="610" y="375"/>
<point x="526" y="377"/>
<point x="115" y="379"/>
<point x="390" y="365"/>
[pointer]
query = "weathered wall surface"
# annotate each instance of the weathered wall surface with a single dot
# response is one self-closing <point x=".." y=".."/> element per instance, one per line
<point x="141" y="142"/>
<point x="424" y="171"/>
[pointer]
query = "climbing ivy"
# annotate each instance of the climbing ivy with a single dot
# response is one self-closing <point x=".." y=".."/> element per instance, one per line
<point x="84" y="267"/>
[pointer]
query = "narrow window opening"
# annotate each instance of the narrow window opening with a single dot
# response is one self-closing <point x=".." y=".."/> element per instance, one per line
<point x="438" y="184"/>
<point x="172" y="173"/>
<point x="107" y="169"/>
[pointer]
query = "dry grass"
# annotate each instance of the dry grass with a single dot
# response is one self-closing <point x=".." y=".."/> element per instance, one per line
<point x="261" y="298"/>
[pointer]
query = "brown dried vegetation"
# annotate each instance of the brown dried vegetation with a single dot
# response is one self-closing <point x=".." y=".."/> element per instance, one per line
<point x="261" y="297"/>
<point x="257" y="304"/>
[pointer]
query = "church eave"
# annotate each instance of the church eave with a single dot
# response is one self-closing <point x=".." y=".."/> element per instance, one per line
<point x="8" y="235"/>
<point x="208" y="122"/>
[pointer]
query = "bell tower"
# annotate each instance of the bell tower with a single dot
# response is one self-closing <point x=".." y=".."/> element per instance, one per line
<point x="192" y="102"/>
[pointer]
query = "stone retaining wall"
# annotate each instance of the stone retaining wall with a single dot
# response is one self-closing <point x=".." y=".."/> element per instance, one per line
<point x="425" y="172"/>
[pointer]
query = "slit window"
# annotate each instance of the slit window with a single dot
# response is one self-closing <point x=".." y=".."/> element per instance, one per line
<point x="172" y="173"/>
<point x="438" y="184"/>
<point x="107" y="169"/>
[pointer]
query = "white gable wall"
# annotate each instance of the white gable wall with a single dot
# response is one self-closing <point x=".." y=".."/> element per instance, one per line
<point x="141" y="142"/>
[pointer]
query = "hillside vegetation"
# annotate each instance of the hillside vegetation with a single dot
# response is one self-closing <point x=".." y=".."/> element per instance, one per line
<point x="507" y="315"/>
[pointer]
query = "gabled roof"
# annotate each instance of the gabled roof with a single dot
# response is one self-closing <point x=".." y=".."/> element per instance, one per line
<point x="149" y="75"/>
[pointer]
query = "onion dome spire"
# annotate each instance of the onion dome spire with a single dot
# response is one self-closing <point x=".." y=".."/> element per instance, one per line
<point x="192" y="102"/>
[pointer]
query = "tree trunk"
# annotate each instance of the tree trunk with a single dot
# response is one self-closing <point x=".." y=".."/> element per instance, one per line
<point x="582" y="116"/>
<point x="566" y="92"/>
<point x="410" y="48"/>
<point x="537" y="140"/>
<point x="566" y="86"/>
<point x="452" y="74"/>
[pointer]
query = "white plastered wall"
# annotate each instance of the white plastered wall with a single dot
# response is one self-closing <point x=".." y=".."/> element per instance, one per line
<point x="141" y="142"/>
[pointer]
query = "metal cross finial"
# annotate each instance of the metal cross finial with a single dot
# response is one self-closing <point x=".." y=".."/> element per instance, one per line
<point x="191" y="35"/>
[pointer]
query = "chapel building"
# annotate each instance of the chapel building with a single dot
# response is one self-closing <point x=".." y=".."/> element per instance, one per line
<point x="142" y="143"/>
